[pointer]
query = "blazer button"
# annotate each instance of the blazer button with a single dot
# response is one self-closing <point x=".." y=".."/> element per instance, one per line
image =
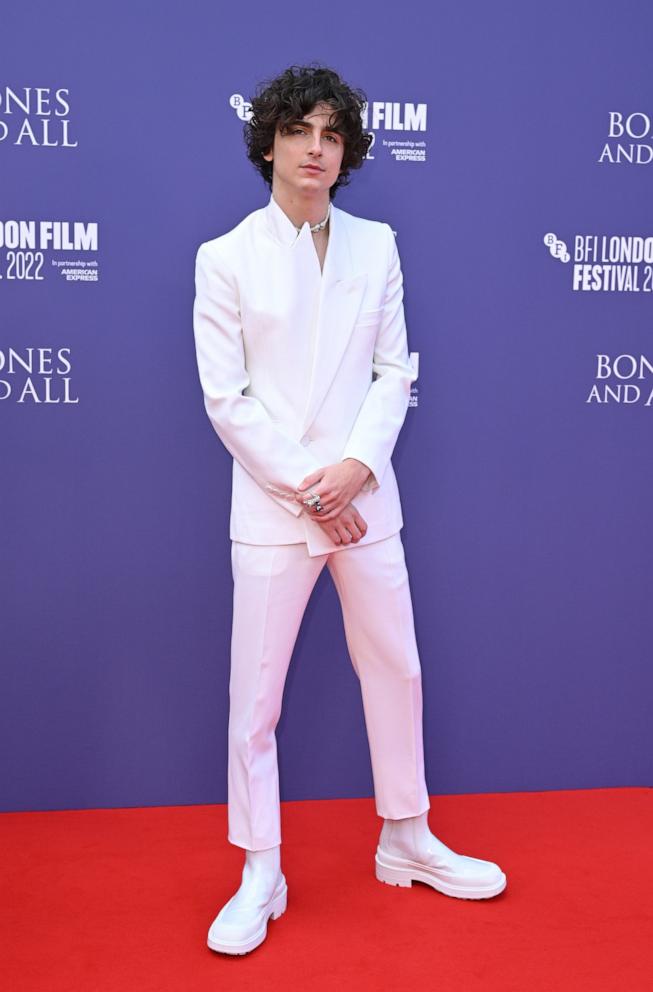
<point x="306" y="440"/>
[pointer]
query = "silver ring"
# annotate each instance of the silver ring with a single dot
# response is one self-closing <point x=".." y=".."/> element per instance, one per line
<point x="313" y="502"/>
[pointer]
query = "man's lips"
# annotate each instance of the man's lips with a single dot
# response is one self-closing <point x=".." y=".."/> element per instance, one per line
<point x="312" y="168"/>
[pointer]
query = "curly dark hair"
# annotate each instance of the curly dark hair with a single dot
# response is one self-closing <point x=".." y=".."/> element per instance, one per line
<point x="291" y="96"/>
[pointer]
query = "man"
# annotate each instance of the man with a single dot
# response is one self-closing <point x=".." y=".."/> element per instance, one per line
<point x="303" y="359"/>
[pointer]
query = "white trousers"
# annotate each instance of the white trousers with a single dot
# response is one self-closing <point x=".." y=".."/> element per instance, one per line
<point x="272" y="585"/>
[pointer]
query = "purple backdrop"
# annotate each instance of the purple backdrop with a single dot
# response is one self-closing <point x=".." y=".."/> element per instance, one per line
<point x="525" y="484"/>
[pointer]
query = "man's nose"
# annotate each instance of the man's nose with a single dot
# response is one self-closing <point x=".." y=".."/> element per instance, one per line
<point x="315" y="147"/>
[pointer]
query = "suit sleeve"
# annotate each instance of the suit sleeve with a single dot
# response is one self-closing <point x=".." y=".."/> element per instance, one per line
<point x="383" y="411"/>
<point x="241" y="422"/>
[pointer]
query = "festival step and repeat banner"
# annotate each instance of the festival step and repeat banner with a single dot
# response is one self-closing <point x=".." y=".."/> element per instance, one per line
<point x="513" y="158"/>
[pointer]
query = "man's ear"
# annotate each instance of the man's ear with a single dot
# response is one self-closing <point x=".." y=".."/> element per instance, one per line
<point x="268" y="155"/>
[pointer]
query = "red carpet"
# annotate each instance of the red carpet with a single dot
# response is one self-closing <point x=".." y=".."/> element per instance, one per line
<point x="120" y="900"/>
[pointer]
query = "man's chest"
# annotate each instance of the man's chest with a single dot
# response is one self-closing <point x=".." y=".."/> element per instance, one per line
<point x="320" y="243"/>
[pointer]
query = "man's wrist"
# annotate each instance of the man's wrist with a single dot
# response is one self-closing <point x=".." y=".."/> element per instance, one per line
<point x="365" y="470"/>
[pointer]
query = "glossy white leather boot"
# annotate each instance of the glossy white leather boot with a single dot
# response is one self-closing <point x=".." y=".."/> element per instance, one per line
<point x="408" y="852"/>
<point x="241" y="925"/>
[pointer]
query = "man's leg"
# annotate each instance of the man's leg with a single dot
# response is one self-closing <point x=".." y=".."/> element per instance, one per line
<point x="372" y="584"/>
<point x="272" y="585"/>
<point x="376" y="605"/>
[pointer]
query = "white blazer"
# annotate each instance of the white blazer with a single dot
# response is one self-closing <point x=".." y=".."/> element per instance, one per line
<point x="302" y="368"/>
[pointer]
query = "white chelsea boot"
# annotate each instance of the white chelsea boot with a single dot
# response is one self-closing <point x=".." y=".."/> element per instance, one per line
<point x="408" y="852"/>
<point x="241" y="925"/>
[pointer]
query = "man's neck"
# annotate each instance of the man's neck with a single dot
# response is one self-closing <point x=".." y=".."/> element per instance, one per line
<point x="301" y="208"/>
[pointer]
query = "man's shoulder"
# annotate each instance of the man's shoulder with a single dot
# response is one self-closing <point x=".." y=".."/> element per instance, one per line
<point x="362" y="225"/>
<point x="235" y="237"/>
<point x="368" y="236"/>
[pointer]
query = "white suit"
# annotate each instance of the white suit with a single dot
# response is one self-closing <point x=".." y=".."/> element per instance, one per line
<point x="302" y="368"/>
<point x="261" y="302"/>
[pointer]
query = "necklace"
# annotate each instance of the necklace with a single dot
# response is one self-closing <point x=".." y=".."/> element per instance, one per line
<point x="322" y="224"/>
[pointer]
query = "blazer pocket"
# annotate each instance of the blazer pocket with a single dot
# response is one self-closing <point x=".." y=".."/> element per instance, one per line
<point x="368" y="317"/>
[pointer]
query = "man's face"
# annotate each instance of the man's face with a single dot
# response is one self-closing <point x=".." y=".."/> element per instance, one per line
<point x="306" y="155"/>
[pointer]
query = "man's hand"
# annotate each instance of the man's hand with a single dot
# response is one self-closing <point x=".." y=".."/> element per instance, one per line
<point x="336" y="485"/>
<point x="347" y="528"/>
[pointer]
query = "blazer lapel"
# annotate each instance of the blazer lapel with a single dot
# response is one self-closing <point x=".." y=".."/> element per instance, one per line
<point x="341" y="295"/>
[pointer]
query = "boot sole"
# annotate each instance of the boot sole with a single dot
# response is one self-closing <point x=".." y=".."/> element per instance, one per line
<point x="406" y="876"/>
